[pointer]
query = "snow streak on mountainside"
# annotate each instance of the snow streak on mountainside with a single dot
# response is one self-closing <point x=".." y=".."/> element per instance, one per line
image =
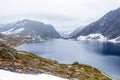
<point x="12" y="31"/>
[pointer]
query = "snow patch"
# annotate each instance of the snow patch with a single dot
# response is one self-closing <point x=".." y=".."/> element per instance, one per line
<point x="92" y="36"/>
<point x="13" y="31"/>
<point x="98" y="37"/>
<point x="101" y="24"/>
<point x="18" y="30"/>
<point x="6" y="75"/>
<point x="117" y="39"/>
<point x="8" y="32"/>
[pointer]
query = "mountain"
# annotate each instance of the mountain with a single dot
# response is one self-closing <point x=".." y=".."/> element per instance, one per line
<point x="76" y="31"/>
<point x="30" y="28"/>
<point x="107" y="26"/>
<point x="1" y="27"/>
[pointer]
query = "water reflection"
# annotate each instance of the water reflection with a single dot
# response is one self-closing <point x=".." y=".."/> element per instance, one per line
<point x="104" y="48"/>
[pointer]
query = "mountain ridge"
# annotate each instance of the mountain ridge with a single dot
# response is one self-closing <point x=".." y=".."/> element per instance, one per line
<point x="108" y="26"/>
<point x="30" y="27"/>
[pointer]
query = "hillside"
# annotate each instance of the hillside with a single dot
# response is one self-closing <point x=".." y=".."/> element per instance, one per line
<point x="25" y="62"/>
<point x="30" y="28"/>
<point x="107" y="26"/>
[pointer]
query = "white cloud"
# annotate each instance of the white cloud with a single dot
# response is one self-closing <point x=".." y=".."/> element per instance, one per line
<point x="60" y="13"/>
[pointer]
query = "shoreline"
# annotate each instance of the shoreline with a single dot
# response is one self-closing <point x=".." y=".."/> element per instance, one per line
<point x="113" y="78"/>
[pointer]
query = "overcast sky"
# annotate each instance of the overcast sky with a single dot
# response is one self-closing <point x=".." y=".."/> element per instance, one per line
<point x="63" y="14"/>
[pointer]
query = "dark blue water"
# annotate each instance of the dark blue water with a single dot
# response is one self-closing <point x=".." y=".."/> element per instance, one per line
<point x="103" y="55"/>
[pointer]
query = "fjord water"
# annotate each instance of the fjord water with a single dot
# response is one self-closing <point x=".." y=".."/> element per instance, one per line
<point x="102" y="55"/>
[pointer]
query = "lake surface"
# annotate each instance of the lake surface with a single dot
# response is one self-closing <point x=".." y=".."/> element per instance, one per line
<point x="102" y="55"/>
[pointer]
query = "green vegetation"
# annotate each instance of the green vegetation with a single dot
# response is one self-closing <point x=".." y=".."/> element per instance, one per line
<point x="20" y="61"/>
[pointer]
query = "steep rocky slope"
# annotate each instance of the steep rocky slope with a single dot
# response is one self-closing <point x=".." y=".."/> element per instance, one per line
<point x="108" y="26"/>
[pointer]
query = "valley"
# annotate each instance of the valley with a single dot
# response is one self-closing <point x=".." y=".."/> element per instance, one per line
<point x="33" y="47"/>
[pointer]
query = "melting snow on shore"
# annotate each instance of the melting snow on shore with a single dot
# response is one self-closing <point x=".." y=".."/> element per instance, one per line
<point x="98" y="37"/>
<point x="93" y="36"/>
<point x="7" y="75"/>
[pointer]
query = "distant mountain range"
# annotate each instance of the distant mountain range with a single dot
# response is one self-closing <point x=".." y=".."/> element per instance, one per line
<point x="108" y="27"/>
<point x="30" y="28"/>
